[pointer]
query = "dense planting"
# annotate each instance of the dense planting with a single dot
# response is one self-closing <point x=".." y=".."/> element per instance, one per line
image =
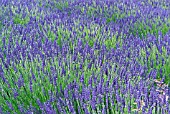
<point x="84" y="57"/>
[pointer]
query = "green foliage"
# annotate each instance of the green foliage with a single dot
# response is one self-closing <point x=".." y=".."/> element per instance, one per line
<point x="22" y="21"/>
<point x="152" y="57"/>
<point x="0" y="33"/>
<point x="91" y="10"/>
<point x="91" y="43"/>
<point x="61" y="5"/>
<point x="115" y="16"/>
<point x="51" y="35"/>
<point x="164" y="29"/>
<point x="111" y="43"/>
<point x="1" y="25"/>
<point x="142" y="29"/>
<point x="166" y="68"/>
<point x="59" y="39"/>
<point x="25" y="96"/>
<point x="108" y="20"/>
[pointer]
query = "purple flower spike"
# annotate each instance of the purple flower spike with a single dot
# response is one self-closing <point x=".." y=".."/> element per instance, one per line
<point x="33" y="77"/>
<point x="1" y="110"/>
<point x="20" y="82"/>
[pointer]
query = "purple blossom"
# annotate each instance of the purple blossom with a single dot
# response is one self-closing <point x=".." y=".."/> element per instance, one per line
<point x="59" y="108"/>
<point x="66" y="94"/>
<point x="31" y="89"/>
<point x="63" y="72"/>
<point x="20" y="82"/>
<point x="82" y="78"/>
<point x="86" y="111"/>
<point x="21" y="108"/>
<point x="71" y="108"/>
<point x="1" y="110"/>
<point x="129" y="108"/>
<point x="93" y="100"/>
<point x="104" y="110"/>
<point x="9" y="105"/>
<point x="33" y="77"/>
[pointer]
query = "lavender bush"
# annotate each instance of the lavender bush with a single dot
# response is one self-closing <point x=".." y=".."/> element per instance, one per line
<point x="84" y="57"/>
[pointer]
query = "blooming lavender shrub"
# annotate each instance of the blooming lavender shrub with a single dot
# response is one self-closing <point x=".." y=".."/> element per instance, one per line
<point x="84" y="57"/>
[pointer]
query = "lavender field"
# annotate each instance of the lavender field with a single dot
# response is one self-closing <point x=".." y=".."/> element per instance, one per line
<point x="84" y="57"/>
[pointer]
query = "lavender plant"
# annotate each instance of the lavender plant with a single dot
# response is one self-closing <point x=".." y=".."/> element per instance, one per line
<point x="84" y="57"/>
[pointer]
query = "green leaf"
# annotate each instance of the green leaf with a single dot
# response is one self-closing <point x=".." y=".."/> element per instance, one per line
<point x="59" y="39"/>
<point x="108" y="20"/>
